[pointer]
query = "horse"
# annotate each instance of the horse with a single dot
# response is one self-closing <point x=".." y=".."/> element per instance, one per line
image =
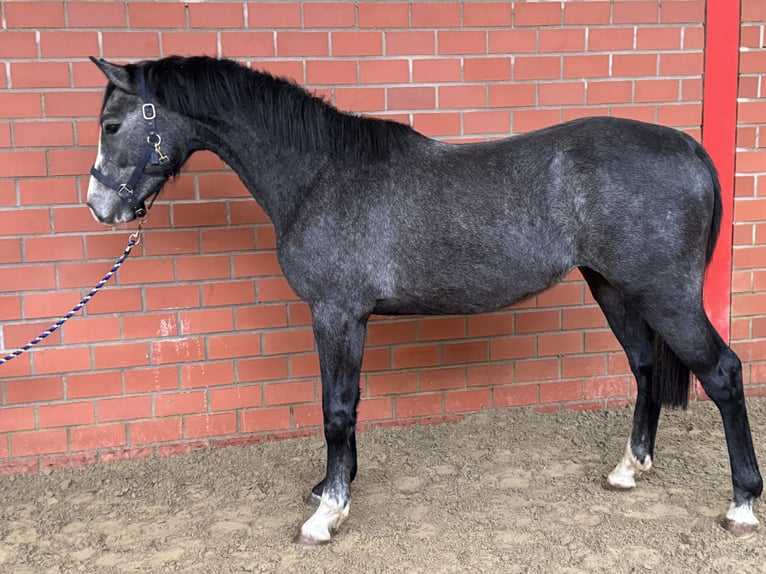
<point x="373" y="217"/>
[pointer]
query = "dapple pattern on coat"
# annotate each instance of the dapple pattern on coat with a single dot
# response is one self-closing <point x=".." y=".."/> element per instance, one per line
<point x="372" y="217"/>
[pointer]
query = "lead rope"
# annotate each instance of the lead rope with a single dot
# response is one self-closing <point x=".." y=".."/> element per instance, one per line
<point x="133" y="240"/>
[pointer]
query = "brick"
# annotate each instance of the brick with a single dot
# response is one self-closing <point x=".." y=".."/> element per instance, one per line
<point x="43" y="134"/>
<point x="67" y="44"/>
<point x="586" y="66"/>
<point x="609" y="40"/>
<point x="389" y="333"/>
<point x="486" y="69"/>
<point x="585" y="366"/>
<point x="230" y="346"/>
<point x="276" y="289"/>
<point x="512" y="95"/>
<point x="198" y="215"/>
<point x="486" y="14"/>
<point x="92" y="330"/>
<point x="435" y="14"/>
<point x="415" y="356"/>
<point x="121" y="355"/>
<point x="247" y="44"/>
<point x="97" y="437"/>
<point x="410" y="43"/>
<point x="512" y="348"/>
<point x="261" y="316"/>
<point x="20" y="105"/>
<point x="96" y="15"/>
<point x="151" y="380"/>
<point x="561" y="40"/>
<point x="519" y="41"/>
<point x="634" y="65"/>
<point x="34" y="15"/>
<point x="274" y="15"/>
<point x="289" y="392"/>
<point x="436" y="70"/>
<point x="159" y="15"/>
<point x="124" y="408"/>
<point x="61" y="360"/>
<point x="38" y="442"/>
<point x="72" y="104"/>
<point x="537" y="14"/>
<point x="189" y="43"/>
<point x="411" y="98"/>
<point x="259" y="420"/>
<point x="302" y="44"/>
<point x="207" y="374"/>
<point x="462" y="96"/>
<point x="33" y="390"/>
<point x="584" y="13"/>
<point x="65" y="248"/>
<point x="662" y="38"/>
<point x="203" y="267"/>
<point x="175" y="297"/>
<point x="657" y="90"/>
<point x="360" y="99"/>
<point x="561" y="93"/>
<point x="241" y="396"/>
<point x="10" y="250"/>
<point x="440" y="379"/>
<point x="357" y="43"/>
<point x="559" y="344"/>
<point x="291" y="341"/>
<point x="515" y="395"/>
<point x="307" y="364"/>
<point x="440" y="328"/>
<point x="156" y="431"/>
<point x="680" y="115"/>
<point x="188" y="402"/>
<point x="487" y="122"/>
<point x="329" y="15"/>
<point x="218" y="15"/>
<point x="561" y="391"/>
<point x="536" y="370"/>
<point x="334" y="72"/>
<point x="418" y="405"/>
<point x="392" y="383"/>
<point x="388" y="15"/>
<point x="462" y="42"/>
<point x="685" y="64"/>
<point x="467" y="401"/>
<point x="87" y="385"/>
<point x="177" y="350"/>
<point x="609" y="91"/>
<point x="529" y="120"/>
<point x="636" y="12"/>
<point x="682" y="11"/>
<point x="22" y="164"/>
<point x="68" y="414"/>
<point x="17" y="419"/>
<point x="18" y="45"/>
<point x="131" y="44"/>
<point x="375" y="409"/>
<point x="537" y="68"/>
<point x="604" y="387"/>
<point x="486" y="375"/>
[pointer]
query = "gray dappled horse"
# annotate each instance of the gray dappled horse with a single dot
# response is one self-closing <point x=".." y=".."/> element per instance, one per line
<point x="373" y="217"/>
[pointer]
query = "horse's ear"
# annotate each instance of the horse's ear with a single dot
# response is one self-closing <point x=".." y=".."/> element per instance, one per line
<point x="120" y="76"/>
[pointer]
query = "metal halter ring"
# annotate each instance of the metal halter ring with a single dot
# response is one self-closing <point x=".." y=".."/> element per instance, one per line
<point x="154" y="143"/>
<point x="148" y="112"/>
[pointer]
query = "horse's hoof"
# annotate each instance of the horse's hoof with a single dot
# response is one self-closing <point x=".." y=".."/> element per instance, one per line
<point x="309" y="542"/>
<point x="739" y="530"/>
<point x="618" y="486"/>
<point x="312" y="500"/>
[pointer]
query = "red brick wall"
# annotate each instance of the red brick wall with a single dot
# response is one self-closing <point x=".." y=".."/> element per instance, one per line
<point x="200" y="341"/>
<point x="748" y="324"/>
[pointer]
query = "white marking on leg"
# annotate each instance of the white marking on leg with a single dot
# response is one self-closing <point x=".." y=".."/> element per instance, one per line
<point x="624" y="474"/>
<point x="741" y="520"/>
<point x="328" y="518"/>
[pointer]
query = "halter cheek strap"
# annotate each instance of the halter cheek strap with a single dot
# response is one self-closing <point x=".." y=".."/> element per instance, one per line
<point x="150" y="154"/>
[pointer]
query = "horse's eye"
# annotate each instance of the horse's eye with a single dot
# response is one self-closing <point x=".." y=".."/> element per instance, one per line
<point x="111" y="128"/>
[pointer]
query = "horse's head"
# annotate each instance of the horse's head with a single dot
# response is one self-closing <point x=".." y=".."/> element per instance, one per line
<point x="141" y="145"/>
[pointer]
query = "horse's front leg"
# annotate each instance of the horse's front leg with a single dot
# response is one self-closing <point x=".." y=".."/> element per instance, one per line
<point x="339" y="336"/>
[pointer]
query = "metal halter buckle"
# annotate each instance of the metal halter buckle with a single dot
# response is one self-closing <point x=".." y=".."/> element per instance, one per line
<point x="148" y="112"/>
<point x="125" y="192"/>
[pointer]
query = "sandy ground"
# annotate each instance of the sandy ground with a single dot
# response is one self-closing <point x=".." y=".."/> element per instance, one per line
<point x="503" y="491"/>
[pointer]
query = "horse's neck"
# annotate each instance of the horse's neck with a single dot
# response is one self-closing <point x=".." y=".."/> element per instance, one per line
<point x="274" y="175"/>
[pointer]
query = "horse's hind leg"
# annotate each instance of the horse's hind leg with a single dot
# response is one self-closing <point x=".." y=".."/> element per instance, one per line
<point x="339" y="337"/>
<point x="637" y="339"/>
<point x="682" y="323"/>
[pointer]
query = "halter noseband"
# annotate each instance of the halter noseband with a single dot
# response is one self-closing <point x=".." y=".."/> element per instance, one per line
<point x="151" y="154"/>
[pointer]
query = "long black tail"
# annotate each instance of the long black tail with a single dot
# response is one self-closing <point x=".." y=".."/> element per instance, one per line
<point x="670" y="377"/>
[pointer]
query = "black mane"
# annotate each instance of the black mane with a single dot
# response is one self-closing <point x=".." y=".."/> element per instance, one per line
<point x="203" y="87"/>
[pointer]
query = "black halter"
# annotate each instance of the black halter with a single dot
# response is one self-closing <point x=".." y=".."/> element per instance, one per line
<point x="151" y="154"/>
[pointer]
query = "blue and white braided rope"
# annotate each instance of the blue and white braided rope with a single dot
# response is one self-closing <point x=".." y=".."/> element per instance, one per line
<point x="133" y="240"/>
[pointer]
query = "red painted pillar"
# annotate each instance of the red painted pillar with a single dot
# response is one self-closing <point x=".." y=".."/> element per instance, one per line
<point x="719" y="129"/>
